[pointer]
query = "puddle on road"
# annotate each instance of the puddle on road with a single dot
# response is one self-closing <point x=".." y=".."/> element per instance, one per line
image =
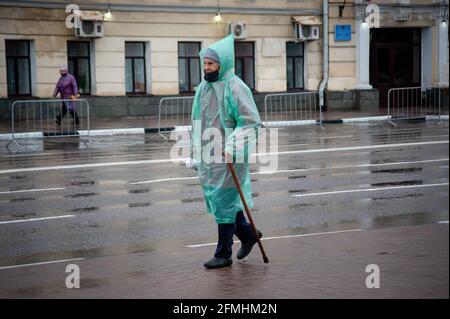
<point x="294" y="191"/>
<point x="397" y="170"/>
<point x="135" y="205"/>
<point x="417" y="218"/>
<point x="81" y="183"/>
<point x="303" y="205"/>
<point x="296" y="177"/>
<point x="137" y="273"/>
<point x="397" y="197"/>
<point x="84" y="209"/>
<point x="192" y="200"/>
<point x="17" y="177"/>
<point x="139" y="191"/>
<point x="23" y="215"/>
<point x="401" y="183"/>
<point x="81" y="195"/>
<point x="24" y="199"/>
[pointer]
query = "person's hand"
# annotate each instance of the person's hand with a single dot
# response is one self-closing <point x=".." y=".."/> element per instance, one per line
<point x="228" y="158"/>
<point x="190" y="164"/>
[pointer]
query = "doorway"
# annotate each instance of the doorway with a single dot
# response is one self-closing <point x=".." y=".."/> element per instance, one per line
<point x="395" y="60"/>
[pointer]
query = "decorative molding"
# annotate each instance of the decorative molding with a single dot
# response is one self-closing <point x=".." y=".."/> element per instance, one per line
<point x="162" y="8"/>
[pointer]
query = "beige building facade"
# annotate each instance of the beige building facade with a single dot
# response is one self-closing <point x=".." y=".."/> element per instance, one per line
<point x="160" y="26"/>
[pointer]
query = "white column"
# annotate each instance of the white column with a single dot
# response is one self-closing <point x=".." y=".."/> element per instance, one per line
<point x="442" y="39"/>
<point x="363" y="54"/>
<point x="148" y="67"/>
<point x="427" y="56"/>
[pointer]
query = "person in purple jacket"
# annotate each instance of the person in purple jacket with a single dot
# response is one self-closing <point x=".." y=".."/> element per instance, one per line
<point x="68" y="89"/>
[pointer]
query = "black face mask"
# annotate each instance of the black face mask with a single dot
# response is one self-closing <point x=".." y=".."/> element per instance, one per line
<point x="212" y="77"/>
<point x="63" y="74"/>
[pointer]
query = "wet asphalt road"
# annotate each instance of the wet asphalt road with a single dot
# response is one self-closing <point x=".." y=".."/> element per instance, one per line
<point x="107" y="203"/>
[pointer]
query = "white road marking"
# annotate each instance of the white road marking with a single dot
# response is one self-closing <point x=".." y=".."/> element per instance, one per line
<point x="35" y="219"/>
<point x="76" y="166"/>
<point x="300" y="170"/>
<point x="283" y="237"/>
<point x="41" y="263"/>
<point x="164" y="180"/>
<point x="33" y="190"/>
<point x="369" y="190"/>
<point x="177" y="160"/>
<point x="351" y="166"/>
<point x="351" y="148"/>
<point x="443" y="222"/>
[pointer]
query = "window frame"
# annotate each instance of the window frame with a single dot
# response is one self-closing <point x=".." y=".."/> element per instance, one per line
<point x="75" y="60"/>
<point x="294" y="57"/>
<point x="243" y="57"/>
<point x="132" y="69"/>
<point x="189" y="58"/>
<point x="16" y="67"/>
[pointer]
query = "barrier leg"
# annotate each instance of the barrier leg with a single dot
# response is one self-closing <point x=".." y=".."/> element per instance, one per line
<point x="9" y="143"/>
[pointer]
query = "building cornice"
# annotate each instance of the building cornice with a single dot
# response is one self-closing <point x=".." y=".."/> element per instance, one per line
<point x="163" y="8"/>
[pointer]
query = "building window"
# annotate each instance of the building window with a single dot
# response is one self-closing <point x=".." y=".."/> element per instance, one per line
<point x="294" y="65"/>
<point x="79" y="64"/>
<point x="135" y="67"/>
<point x="188" y="66"/>
<point x="245" y="62"/>
<point x="18" y="67"/>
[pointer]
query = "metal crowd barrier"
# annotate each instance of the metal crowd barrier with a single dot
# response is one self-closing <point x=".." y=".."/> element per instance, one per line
<point x="174" y="111"/>
<point x="292" y="108"/>
<point x="38" y="118"/>
<point x="414" y="103"/>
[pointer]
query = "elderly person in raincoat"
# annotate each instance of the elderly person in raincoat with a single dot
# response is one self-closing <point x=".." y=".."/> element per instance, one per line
<point x="68" y="89"/>
<point x="223" y="103"/>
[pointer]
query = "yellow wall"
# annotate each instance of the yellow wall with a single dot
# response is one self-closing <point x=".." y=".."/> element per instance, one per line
<point x="163" y="30"/>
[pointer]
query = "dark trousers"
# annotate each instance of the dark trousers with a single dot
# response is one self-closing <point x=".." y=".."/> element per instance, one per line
<point x="64" y="112"/>
<point x="241" y="228"/>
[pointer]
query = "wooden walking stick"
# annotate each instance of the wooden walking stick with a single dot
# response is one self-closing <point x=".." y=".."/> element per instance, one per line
<point x="238" y="186"/>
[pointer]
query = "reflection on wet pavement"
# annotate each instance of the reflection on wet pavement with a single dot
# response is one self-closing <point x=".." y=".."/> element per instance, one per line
<point x="114" y="217"/>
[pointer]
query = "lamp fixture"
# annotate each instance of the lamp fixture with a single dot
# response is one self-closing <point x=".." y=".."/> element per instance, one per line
<point x="218" y="17"/>
<point x="108" y="15"/>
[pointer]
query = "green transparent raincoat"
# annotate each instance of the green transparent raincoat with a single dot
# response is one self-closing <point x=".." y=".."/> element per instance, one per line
<point x="227" y="105"/>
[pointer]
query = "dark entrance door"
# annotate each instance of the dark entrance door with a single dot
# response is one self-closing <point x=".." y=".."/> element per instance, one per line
<point x="394" y="59"/>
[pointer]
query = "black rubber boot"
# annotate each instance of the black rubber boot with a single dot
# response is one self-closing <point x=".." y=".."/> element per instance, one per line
<point x="218" y="263"/>
<point x="245" y="233"/>
<point x="222" y="255"/>
<point x="225" y="241"/>
<point x="246" y="246"/>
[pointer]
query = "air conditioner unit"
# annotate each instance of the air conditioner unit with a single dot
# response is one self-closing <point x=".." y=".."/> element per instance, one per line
<point x="238" y="29"/>
<point x="306" y="32"/>
<point x="89" y="29"/>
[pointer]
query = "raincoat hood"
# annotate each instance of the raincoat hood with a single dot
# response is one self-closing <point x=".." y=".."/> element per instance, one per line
<point x="225" y="50"/>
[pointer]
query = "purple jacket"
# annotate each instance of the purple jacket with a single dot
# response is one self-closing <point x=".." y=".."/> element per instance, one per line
<point x="67" y="86"/>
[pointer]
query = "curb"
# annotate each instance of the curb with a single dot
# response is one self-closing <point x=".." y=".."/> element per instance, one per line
<point x="366" y="119"/>
<point x="141" y="130"/>
<point x="111" y="132"/>
<point x="8" y="136"/>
